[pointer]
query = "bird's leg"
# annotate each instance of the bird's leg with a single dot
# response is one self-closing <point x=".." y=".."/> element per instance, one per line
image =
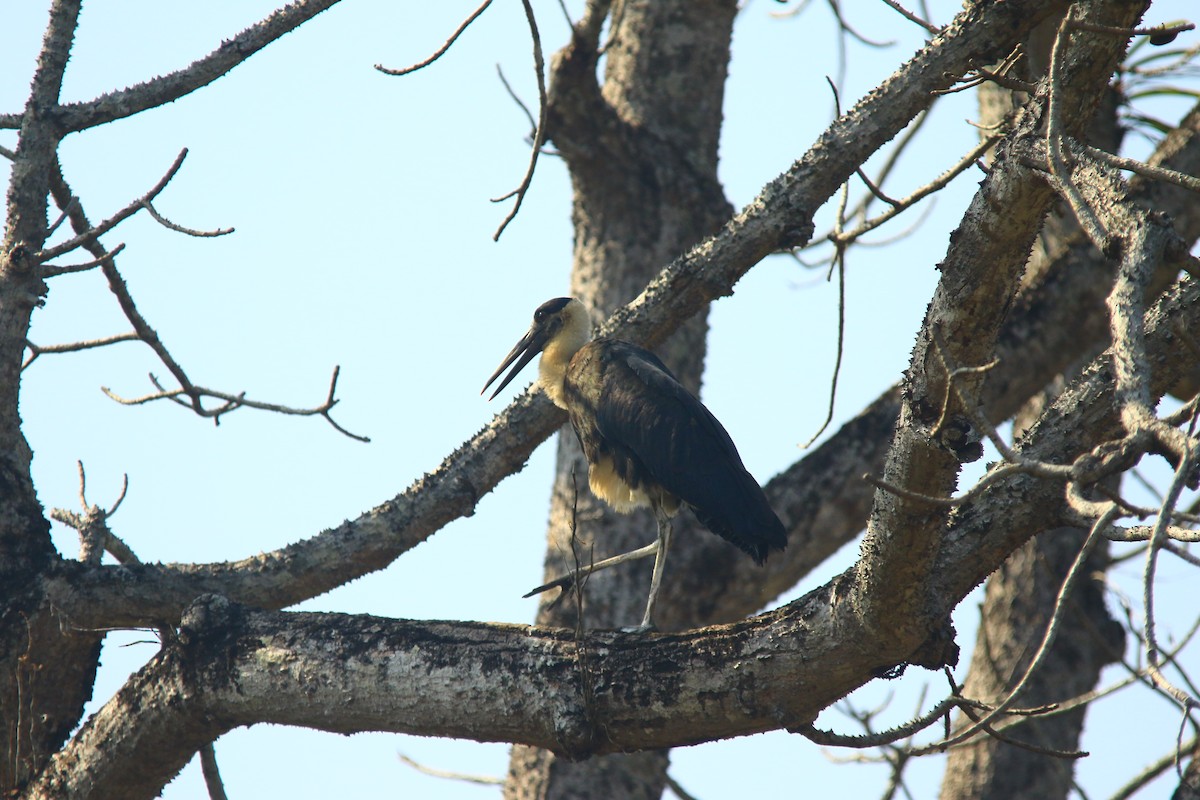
<point x="660" y="561"/>
<point x="567" y="581"/>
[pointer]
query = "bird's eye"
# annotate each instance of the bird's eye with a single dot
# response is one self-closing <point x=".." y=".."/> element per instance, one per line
<point x="539" y="315"/>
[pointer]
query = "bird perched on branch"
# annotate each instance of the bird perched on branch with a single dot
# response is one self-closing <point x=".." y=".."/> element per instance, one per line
<point x="648" y="440"/>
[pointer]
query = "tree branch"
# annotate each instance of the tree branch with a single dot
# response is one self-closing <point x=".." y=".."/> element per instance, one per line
<point x="168" y="88"/>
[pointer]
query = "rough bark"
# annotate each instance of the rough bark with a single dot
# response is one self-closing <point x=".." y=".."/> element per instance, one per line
<point x="1021" y="595"/>
<point x="45" y="678"/>
<point x="934" y="432"/>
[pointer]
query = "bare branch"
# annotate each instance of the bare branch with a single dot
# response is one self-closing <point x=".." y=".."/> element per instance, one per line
<point x="166" y="223"/>
<point x="1143" y="533"/>
<point x="902" y="731"/>
<point x="1060" y="605"/>
<point x="142" y="330"/>
<point x="232" y="402"/>
<point x="539" y="135"/>
<point x="1158" y="31"/>
<point x="999" y="76"/>
<point x="54" y="270"/>
<point x="1147" y="170"/>
<point x="464" y="777"/>
<point x="95" y="537"/>
<point x="1183" y="474"/>
<point x="1152" y="771"/>
<point x="911" y="17"/>
<point x="89" y="236"/>
<point x="921" y="193"/>
<point x="74" y="347"/>
<point x="167" y="88"/>
<point x="1054" y="141"/>
<point x="440" y="51"/>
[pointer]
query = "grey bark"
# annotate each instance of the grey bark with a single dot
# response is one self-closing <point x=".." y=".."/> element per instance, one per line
<point x="1020" y="596"/>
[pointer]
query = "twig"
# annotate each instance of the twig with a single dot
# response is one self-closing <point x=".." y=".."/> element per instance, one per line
<point x="902" y="731"/>
<point x="911" y="17"/>
<point x="953" y="373"/>
<point x="1182" y="474"/>
<point x="1020" y="466"/>
<point x="116" y="219"/>
<point x="875" y="190"/>
<point x="95" y="537"/>
<point x="1148" y="170"/>
<point x="678" y="790"/>
<point x="1159" y="30"/>
<point x="1059" y="172"/>
<point x="54" y="270"/>
<point x="921" y="193"/>
<point x="520" y="104"/>
<point x="889" y="163"/>
<point x="441" y="51"/>
<point x="232" y="402"/>
<point x="839" y="261"/>
<point x="465" y="777"/>
<point x="63" y="214"/>
<point x="1002" y="735"/>
<point x="539" y="135"/>
<point x="846" y="28"/>
<point x="74" y="347"/>
<point x="1152" y="771"/>
<point x="998" y="76"/>
<point x="1051" y="633"/>
<point x="166" y="223"/>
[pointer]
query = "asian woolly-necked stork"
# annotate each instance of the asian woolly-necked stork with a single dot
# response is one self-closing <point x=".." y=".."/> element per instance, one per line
<point x="648" y="440"/>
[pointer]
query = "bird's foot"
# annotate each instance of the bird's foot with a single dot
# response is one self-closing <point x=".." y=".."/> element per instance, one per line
<point x="645" y="627"/>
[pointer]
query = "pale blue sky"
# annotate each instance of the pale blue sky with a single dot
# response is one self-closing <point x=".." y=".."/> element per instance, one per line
<point x="364" y="238"/>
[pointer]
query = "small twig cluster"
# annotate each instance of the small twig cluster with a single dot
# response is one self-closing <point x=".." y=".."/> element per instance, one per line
<point x="87" y="237"/>
<point x="539" y="132"/>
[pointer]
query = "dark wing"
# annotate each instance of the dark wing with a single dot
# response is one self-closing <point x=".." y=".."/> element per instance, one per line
<point x="658" y="431"/>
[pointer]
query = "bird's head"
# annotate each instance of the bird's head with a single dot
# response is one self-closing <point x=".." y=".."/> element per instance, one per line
<point x="560" y="327"/>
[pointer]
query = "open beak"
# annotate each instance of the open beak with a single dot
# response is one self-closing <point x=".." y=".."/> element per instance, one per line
<point x="530" y="345"/>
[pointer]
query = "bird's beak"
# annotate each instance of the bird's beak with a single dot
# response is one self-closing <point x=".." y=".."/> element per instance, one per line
<point x="530" y="345"/>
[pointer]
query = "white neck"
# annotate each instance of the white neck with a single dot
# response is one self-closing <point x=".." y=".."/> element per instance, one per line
<point x="557" y="355"/>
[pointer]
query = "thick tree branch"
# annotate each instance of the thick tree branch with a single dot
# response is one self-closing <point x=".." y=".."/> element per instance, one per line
<point x="779" y="217"/>
<point x="539" y="686"/>
<point x="168" y="88"/>
<point x="970" y="303"/>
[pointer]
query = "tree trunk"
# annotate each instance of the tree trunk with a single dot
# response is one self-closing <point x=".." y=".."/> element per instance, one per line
<point x="642" y="151"/>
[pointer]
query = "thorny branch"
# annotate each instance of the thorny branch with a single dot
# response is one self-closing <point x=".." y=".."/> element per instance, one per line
<point x="164" y="89"/>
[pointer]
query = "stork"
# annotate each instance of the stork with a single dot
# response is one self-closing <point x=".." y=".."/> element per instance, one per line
<point x="648" y="441"/>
